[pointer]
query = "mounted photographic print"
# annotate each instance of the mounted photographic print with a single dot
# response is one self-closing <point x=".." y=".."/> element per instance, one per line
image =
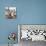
<point x="10" y="12"/>
<point x="32" y="32"/>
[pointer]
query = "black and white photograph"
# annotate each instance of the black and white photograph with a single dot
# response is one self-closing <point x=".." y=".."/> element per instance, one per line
<point x="10" y="12"/>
